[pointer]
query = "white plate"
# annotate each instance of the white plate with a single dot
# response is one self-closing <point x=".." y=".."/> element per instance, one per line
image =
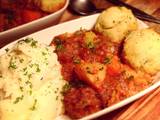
<point x="36" y="25"/>
<point x="46" y="36"/>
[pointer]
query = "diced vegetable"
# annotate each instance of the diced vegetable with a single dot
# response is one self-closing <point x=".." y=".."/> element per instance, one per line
<point x="92" y="73"/>
<point x="30" y="15"/>
<point x="114" y="68"/>
<point x="89" y="39"/>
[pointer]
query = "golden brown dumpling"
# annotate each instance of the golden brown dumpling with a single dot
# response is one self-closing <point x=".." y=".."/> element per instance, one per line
<point x="116" y="23"/>
<point x="49" y="5"/>
<point x="142" y="50"/>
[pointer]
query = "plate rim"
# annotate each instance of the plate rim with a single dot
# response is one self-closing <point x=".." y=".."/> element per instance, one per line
<point x="35" y="21"/>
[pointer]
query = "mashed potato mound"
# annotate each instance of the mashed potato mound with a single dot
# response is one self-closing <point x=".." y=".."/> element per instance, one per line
<point x="116" y="23"/>
<point x="30" y="82"/>
<point x="49" y="5"/>
<point x="142" y="50"/>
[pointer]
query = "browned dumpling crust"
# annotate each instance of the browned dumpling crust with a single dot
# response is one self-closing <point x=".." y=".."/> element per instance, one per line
<point x="49" y="5"/>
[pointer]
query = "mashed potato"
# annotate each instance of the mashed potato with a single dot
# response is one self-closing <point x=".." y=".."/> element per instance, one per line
<point x="49" y="5"/>
<point x="142" y="50"/>
<point x="30" y="83"/>
<point x="116" y="23"/>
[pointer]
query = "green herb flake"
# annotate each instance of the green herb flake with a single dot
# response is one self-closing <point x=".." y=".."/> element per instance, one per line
<point x="58" y="43"/>
<point x="18" y="99"/>
<point x="29" y="76"/>
<point x="25" y="73"/>
<point x="21" y="88"/>
<point x="38" y="69"/>
<point x="34" y="105"/>
<point x="24" y="69"/>
<point x="59" y="47"/>
<point x="12" y="65"/>
<point x="34" y="43"/>
<point x="31" y="65"/>
<point x="47" y="49"/>
<point x="65" y="88"/>
<point x="21" y="60"/>
<point x="28" y="40"/>
<point x="76" y="61"/>
<point x="30" y="92"/>
<point x="107" y="60"/>
<point x="43" y="53"/>
<point x="7" y="49"/>
<point x="90" y="45"/>
<point x="28" y="82"/>
<point x="89" y="39"/>
<point x="56" y="97"/>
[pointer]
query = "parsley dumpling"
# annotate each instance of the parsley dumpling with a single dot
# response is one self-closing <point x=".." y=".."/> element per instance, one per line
<point x="116" y="23"/>
<point x="142" y="50"/>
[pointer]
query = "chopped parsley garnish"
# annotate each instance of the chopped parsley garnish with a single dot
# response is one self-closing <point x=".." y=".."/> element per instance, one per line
<point x="90" y="45"/>
<point x="57" y="41"/>
<point x="76" y="60"/>
<point x="29" y="83"/>
<point x="56" y="97"/>
<point x="34" y="105"/>
<point x="7" y="49"/>
<point x="65" y="88"/>
<point x="21" y="60"/>
<point x="34" y="43"/>
<point x="30" y="92"/>
<point x="25" y="73"/>
<point x="107" y="60"/>
<point x="31" y="65"/>
<point x="59" y="47"/>
<point x="18" y="99"/>
<point x="28" y="40"/>
<point x="38" y="69"/>
<point x="89" y="39"/>
<point x="24" y="69"/>
<point x="12" y="65"/>
<point x="21" y="88"/>
<point x="43" y="53"/>
<point x="58" y="44"/>
<point x="29" y="76"/>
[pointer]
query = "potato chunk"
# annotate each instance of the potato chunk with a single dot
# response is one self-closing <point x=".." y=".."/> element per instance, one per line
<point x="92" y="73"/>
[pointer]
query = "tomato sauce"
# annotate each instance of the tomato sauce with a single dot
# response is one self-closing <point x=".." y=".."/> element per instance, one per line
<point x="92" y="63"/>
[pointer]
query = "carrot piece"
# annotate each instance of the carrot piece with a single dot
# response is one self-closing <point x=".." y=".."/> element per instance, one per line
<point x="114" y="68"/>
<point x="30" y="15"/>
